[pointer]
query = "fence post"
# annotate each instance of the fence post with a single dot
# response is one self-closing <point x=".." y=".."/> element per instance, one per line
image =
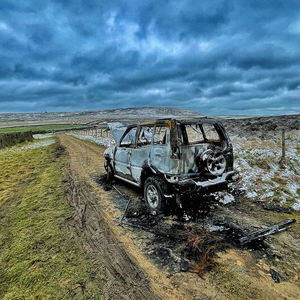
<point x="282" y="162"/>
<point x="283" y="144"/>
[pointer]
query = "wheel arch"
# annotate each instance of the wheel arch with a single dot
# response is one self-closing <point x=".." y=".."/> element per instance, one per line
<point x="146" y="172"/>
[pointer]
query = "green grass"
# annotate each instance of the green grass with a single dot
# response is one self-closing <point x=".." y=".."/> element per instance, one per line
<point x="39" y="128"/>
<point x="26" y="143"/>
<point x="234" y="283"/>
<point x="13" y="138"/>
<point x="40" y="258"/>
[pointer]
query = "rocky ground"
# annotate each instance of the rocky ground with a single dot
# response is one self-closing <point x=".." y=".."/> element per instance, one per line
<point x="263" y="127"/>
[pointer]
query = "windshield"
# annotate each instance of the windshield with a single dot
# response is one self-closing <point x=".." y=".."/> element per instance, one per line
<point x="117" y="129"/>
<point x="129" y="138"/>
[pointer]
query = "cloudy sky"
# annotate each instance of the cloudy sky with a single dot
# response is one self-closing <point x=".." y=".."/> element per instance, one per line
<point x="215" y="57"/>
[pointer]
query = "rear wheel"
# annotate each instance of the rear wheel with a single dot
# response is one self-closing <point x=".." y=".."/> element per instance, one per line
<point x="153" y="194"/>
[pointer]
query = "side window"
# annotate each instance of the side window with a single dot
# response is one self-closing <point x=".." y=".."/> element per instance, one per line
<point x="210" y="132"/>
<point x="145" y="136"/>
<point x="160" y="135"/>
<point x="194" y="134"/>
<point x="129" y="138"/>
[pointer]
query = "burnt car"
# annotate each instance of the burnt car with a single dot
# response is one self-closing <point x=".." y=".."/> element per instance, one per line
<point x="171" y="158"/>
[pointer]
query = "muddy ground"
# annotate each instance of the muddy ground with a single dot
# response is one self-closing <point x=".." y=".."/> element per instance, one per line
<point x="149" y="256"/>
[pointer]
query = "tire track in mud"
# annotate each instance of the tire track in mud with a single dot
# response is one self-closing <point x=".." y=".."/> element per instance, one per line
<point x="118" y="274"/>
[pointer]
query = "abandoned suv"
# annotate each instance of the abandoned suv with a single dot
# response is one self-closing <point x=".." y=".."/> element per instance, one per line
<point x="170" y="158"/>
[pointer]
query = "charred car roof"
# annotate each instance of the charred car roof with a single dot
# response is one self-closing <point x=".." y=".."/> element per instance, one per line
<point x="118" y="128"/>
<point x="166" y="121"/>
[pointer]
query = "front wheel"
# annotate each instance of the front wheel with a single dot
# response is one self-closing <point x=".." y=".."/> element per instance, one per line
<point x="109" y="171"/>
<point x="153" y="194"/>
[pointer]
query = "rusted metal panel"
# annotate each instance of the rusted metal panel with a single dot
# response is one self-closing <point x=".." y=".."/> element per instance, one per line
<point x="189" y="154"/>
<point x="139" y="159"/>
<point x="122" y="160"/>
<point x="160" y="159"/>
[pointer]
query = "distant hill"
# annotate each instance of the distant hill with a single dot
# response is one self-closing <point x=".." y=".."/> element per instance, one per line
<point x="136" y="113"/>
<point x="235" y="125"/>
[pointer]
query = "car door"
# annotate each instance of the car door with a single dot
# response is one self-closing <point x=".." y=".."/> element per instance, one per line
<point x="123" y="153"/>
<point x="140" y="154"/>
<point x="160" y="155"/>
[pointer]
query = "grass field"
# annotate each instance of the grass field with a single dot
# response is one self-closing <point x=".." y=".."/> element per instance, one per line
<point x="38" y="128"/>
<point x="40" y="258"/>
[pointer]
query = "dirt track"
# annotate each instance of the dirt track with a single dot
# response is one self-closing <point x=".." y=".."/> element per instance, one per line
<point x="123" y="270"/>
<point x="127" y="273"/>
<point x="118" y="274"/>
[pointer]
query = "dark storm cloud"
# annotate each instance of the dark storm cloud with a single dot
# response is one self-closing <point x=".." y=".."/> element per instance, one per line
<point x="217" y="57"/>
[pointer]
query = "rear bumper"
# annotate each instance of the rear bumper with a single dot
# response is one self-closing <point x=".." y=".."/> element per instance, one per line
<point x="192" y="185"/>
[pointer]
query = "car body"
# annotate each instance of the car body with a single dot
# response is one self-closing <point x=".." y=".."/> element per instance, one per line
<point x="181" y="156"/>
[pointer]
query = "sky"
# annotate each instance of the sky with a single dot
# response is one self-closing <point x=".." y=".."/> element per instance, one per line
<point x="215" y="57"/>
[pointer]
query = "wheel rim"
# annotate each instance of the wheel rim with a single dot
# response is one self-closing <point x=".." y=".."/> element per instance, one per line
<point x="152" y="196"/>
<point x="216" y="163"/>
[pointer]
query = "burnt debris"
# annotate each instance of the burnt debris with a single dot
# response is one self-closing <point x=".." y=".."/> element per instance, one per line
<point x="275" y="275"/>
<point x="187" y="237"/>
<point x="278" y="209"/>
<point x="201" y="248"/>
<point x="262" y="233"/>
<point x="103" y="182"/>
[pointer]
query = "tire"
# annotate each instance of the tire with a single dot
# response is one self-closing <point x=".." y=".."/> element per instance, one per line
<point x="154" y="194"/>
<point x="109" y="171"/>
<point x="212" y="161"/>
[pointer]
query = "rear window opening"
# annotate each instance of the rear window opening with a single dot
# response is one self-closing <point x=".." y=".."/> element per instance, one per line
<point x="211" y="133"/>
<point x="200" y="133"/>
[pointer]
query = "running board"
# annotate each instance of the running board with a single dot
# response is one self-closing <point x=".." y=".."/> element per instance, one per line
<point x="127" y="180"/>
